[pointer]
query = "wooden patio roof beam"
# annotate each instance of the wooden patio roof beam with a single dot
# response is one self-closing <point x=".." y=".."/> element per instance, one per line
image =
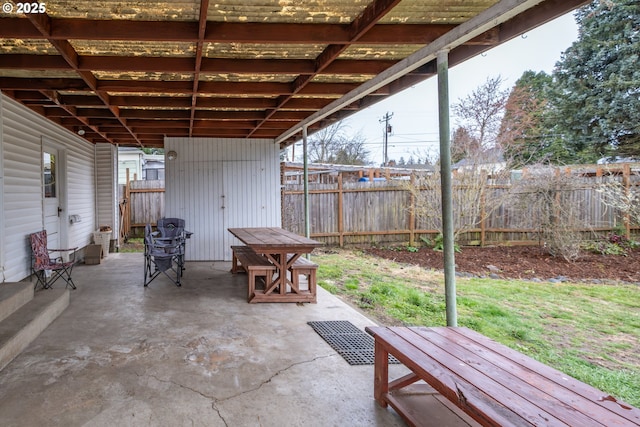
<point x="187" y="65"/>
<point x="223" y="32"/>
<point x="42" y="22"/>
<point x="356" y="29"/>
<point x="238" y="103"/>
<point x="202" y="27"/>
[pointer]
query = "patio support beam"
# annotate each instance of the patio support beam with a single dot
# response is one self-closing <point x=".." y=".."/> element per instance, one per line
<point x="446" y="188"/>
<point x="307" y="226"/>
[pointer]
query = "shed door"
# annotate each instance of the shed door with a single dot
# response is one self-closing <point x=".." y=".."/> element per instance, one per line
<point x="217" y="195"/>
<point x="201" y="204"/>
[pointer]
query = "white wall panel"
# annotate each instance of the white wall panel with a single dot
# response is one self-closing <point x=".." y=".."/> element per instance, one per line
<point x="106" y="186"/>
<point x="22" y="135"/>
<point x="215" y="184"/>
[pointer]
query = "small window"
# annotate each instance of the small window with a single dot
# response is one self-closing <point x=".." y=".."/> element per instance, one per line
<point x="151" y="174"/>
<point x="49" y="171"/>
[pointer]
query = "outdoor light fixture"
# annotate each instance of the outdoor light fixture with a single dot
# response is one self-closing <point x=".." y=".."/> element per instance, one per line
<point x="172" y="155"/>
<point x="81" y="132"/>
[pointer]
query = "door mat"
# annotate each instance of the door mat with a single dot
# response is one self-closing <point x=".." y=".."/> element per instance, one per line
<point x="354" y="345"/>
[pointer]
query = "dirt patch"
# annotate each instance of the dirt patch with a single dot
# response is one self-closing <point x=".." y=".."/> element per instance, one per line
<point x="524" y="262"/>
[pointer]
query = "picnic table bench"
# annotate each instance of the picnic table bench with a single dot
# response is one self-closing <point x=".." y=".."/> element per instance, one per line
<point x="302" y="266"/>
<point x="493" y="384"/>
<point x="255" y="265"/>
<point x="282" y="248"/>
<point x="258" y="266"/>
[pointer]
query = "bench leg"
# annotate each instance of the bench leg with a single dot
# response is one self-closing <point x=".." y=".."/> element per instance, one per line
<point x="234" y="263"/>
<point x="381" y="374"/>
<point x="312" y="283"/>
<point x="310" y="273"/>
<point x="252" y="284"/>
<point x="253" y="275"/>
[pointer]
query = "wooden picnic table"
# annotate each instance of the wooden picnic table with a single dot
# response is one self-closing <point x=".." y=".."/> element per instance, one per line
<point x="495" y="385"/>
<point x="282" y="248"/>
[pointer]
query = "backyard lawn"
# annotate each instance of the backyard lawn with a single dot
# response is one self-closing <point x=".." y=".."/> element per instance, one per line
<point x="588" y="330"/>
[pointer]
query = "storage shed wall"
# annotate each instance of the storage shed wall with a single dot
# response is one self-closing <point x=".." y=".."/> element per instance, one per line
<point x="215" y="184"/>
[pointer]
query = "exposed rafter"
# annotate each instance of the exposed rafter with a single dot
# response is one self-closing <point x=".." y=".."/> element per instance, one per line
<point x="134" y="75"/>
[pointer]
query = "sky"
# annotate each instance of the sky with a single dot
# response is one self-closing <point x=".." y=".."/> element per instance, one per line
<point x="415" y="110"/>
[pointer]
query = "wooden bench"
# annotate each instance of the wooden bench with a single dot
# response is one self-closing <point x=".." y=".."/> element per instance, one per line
<point x="493" y="384"/>
<point x="303" y="266"/>
<point x="255" y="265"/>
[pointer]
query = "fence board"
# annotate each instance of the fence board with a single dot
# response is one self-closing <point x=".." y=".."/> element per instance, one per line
<point x="381" y="212"/>
<point x="145" y="204"/>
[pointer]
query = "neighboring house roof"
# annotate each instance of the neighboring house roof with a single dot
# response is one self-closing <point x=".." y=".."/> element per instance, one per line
<point x="134" y="72"/>
<point x="492" y="156"/>
<point x="295" y="168"/>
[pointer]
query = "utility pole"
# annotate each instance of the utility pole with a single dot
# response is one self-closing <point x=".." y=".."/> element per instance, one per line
<point x="386" y="132"/>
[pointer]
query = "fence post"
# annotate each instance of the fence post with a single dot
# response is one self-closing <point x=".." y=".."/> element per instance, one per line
<point x="483" y="218"/>
<point x="340" y="210"/>
<point x="127" y="205"/>
<point x="626" y="177"/>
<point x="412" y="212"/>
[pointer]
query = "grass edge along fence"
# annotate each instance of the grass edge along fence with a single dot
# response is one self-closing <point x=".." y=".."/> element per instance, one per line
<point x="346" y="212"/>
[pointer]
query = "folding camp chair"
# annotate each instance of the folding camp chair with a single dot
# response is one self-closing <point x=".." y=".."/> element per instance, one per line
<point x="161" y="256"/>
<point x="47" y="269"/>
<point x="172" y="230"/>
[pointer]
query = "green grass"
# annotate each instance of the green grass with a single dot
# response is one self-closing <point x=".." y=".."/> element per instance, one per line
<point x="133" y="244"/>
<point x="588" y="331"/>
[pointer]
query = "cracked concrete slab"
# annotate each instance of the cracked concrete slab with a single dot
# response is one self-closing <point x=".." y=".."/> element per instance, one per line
<point x="196" y="355"/>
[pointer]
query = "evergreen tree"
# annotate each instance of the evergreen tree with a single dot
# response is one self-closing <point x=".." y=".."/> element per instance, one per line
<point x="527" y="132"/>
<point x="598" y="82"/>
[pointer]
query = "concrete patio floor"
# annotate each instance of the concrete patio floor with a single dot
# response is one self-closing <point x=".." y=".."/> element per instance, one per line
<point x="198" y="355"/>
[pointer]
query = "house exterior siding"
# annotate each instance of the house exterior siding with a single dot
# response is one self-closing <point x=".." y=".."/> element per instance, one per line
<point x="215" y="184"/>
<point x="22" y="134"/>
<point x="106" y="156"/>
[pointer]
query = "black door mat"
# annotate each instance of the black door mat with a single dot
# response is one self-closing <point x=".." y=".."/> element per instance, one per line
<point x="354" y="345"/>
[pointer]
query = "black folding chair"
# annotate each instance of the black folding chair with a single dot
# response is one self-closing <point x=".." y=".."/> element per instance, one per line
<point x="161" y="256"/>
<point x="172" y="231"/>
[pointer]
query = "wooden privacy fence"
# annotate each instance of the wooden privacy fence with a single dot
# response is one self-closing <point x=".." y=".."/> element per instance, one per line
<point x="352" y="213"/>
<point x="141" y="202"/>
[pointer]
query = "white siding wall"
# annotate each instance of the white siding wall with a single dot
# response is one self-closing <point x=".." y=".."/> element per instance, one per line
<point x="22" y="133"/>
<point x="215" y="184"/>
<point x="106" y="186"/>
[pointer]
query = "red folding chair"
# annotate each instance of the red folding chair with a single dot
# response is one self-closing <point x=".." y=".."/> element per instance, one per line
<point x="49" y="269"/>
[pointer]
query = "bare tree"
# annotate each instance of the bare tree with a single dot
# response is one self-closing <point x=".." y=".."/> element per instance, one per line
<point x="480" y="113"/>
<point x="545" y="198"/>
<point x="474" y="198"/>
<point x="323" y="143"/>
<point x="334" y="144"/>
<point x="463" y="144"/>
<point x="474" y="140"/>
<point x="620" y="196"/>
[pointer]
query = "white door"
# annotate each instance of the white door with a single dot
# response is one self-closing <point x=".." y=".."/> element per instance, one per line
<point x="53" y="196"/>
<point x="201" y="205"/>
<point x="217" y="195"/>
<point x="242" y="206"/>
